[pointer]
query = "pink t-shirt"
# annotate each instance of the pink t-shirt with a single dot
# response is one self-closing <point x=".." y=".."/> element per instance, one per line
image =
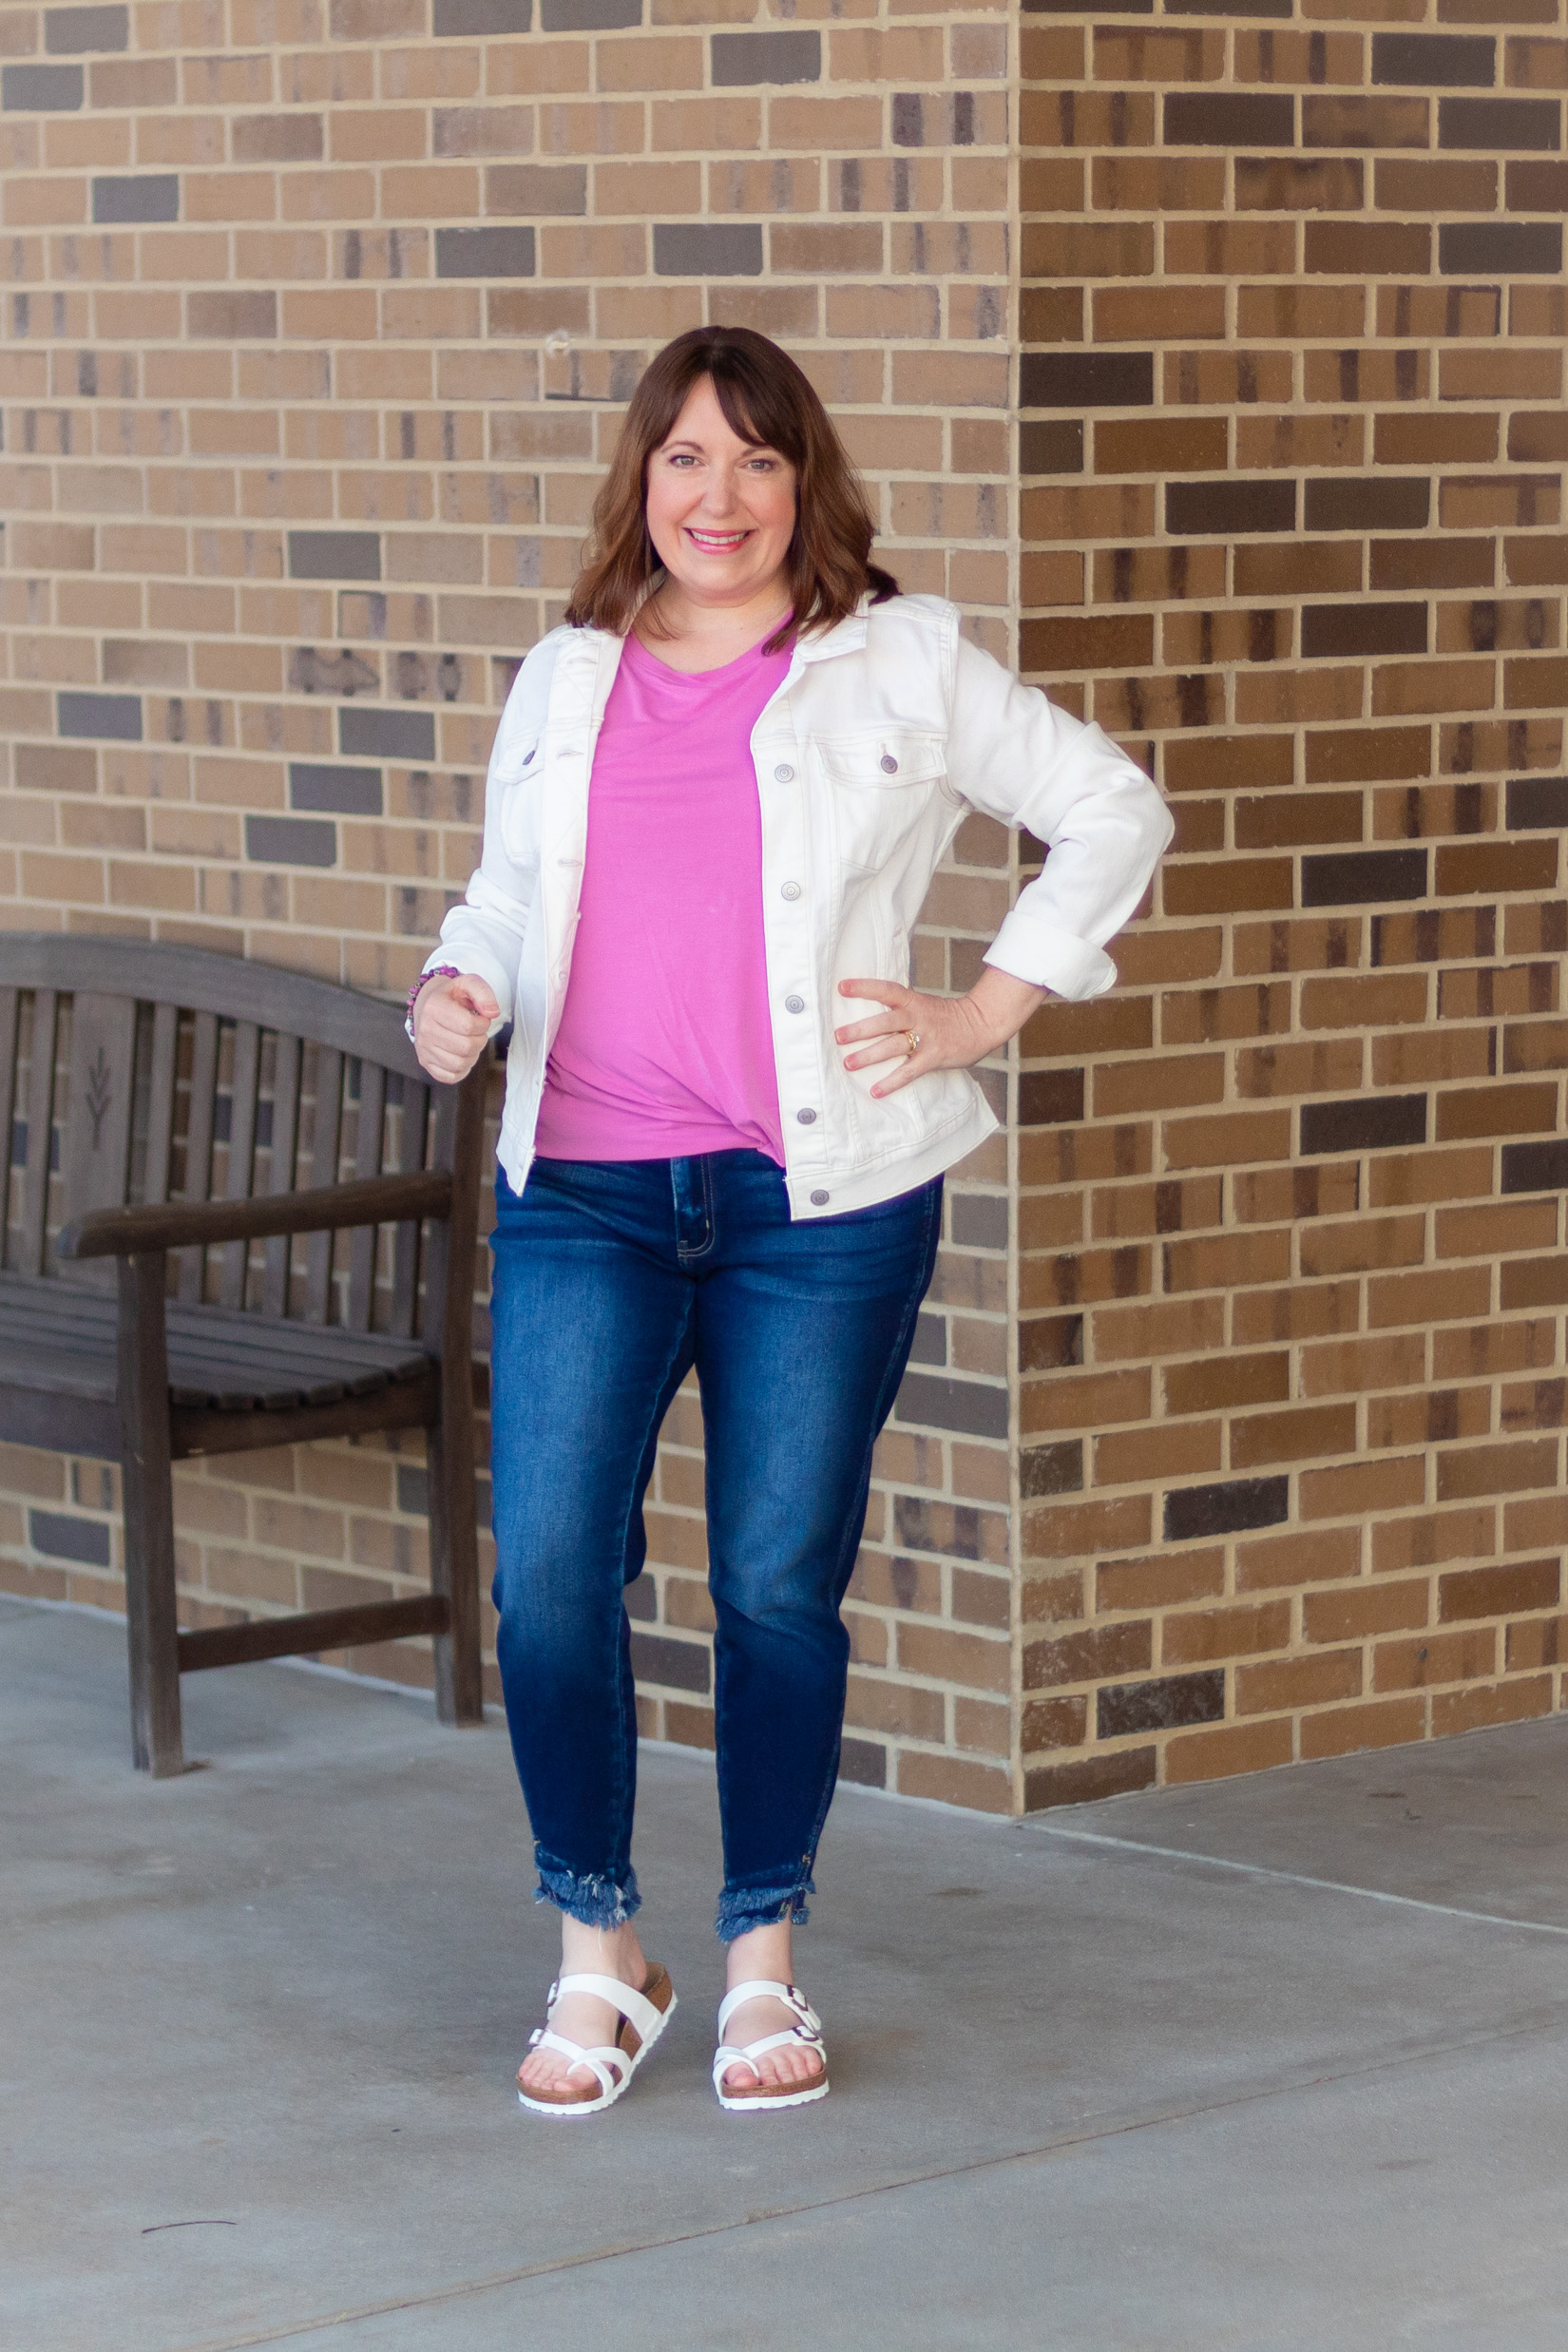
<point x="665" y="1047"/>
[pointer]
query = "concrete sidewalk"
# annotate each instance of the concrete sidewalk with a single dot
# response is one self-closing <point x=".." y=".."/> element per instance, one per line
<point x="1093" y="2086"/>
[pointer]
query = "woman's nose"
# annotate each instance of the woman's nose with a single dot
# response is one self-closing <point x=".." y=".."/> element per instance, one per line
<point x="720" y="496"/>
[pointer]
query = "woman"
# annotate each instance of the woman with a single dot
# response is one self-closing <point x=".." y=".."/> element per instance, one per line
<point x="705" y="1159"/>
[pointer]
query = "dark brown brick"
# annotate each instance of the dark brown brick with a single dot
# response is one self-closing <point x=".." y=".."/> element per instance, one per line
<point x="1128" y="1707"/>
<point x="1537" y="801"/>
<point x="1056" y="447"/>
<point x="1364" y="877"/>
<point x="1228" y="119"/>
<point x="1367" y="502"/>
<point x="1537" y="187"/>
<point x="1334" y="631"/>
<point x="1440" y="61"/>
<point x="1498" y="1592"/>
<point x="1369" y="1123"/>
<point x="1507" y="248"/>
<point x="1537" y="436"/>
<point x="1226" y="507"/>
<point x="1368" y="248"/>
<point x="1115" y="379"/>
<point x="1499" y="125"/>
<point x="1223" y="1509"/>
<point x="1114" y="642"/>
<point x="1113" y="1775"/>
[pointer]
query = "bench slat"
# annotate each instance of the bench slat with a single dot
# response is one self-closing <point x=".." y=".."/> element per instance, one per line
<point x="413" y="1118"/>
<point x="35" y="1183"/>
<point x="39" y="1305"/>
<point x="285" y="1137"/>
<point x="362" y="1241"/>
<point x="243" y="1102"/>
<point x="63" y="1342"/>
<point x="161" y="1090"/>
<point x="329" y="1129"/>
<point x="8" y="1008"/>
<point x="198" y="1186"/>
<point x="96" y="1130"/>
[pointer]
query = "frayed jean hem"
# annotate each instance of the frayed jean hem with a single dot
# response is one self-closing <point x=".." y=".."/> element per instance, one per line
<point x="742" y="1908"/>
<point x="595" y="1899"/>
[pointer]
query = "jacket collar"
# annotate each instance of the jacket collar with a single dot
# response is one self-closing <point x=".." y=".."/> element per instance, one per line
<point x="846" y="636"/>
<point x="603" y="648"/>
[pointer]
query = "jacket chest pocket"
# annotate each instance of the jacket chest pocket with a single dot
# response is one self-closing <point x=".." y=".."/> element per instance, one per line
<point x="522" y="805"/>
<point x="878" y="787"/>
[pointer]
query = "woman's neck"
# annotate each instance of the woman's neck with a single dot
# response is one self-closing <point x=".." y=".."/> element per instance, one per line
<point x="692" y="636"/>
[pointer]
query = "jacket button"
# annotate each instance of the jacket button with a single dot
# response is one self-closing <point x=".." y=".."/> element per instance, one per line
<point x="788" y="890"/>
<point x="889" y="765"/>
<point x="795" y="1004"/>
<point x="784" y="774"/>
<point x="819" y="1200"/>
<point x="806" y="1119"/>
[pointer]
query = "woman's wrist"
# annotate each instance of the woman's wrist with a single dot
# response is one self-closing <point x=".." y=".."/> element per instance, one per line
<point x="999" y="1004"/>
<point x="438" y="971"/>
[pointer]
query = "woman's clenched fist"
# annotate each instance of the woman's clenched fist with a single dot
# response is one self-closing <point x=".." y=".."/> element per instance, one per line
<point x="451" y="1020"/>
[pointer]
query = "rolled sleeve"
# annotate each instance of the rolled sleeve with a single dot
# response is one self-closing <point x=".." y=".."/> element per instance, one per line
<point x="1103" y="823"/>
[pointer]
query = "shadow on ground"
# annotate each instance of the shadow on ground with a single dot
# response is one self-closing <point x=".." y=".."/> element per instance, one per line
<point x="1094" y="2084"/>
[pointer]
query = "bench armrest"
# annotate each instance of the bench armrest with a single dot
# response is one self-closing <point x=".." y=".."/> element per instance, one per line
<point x="178" y="1224"/>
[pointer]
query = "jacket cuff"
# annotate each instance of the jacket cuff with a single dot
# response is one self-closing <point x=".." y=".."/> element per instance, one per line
<point x="1048" y="957"/>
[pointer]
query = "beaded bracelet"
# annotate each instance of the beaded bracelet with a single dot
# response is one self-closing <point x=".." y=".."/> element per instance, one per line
<point x="438" y="971"/>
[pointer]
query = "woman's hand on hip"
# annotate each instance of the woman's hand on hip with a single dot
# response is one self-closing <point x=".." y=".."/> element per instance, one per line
<point x="451" y="1020"/>
<point x="953" y="1032"/>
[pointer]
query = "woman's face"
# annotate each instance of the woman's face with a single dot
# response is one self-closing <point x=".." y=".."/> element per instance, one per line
<point x="720" y="512"/>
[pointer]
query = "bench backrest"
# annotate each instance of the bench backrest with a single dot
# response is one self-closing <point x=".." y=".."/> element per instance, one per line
<point x="132" y="1071"/>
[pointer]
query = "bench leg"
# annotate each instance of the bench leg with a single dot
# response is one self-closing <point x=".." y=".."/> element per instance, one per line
<point x="454" y="1563"/>
<point x="157" y="1744"/>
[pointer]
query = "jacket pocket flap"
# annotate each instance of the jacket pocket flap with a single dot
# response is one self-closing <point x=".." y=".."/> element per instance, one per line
<point x="886" y="760"/>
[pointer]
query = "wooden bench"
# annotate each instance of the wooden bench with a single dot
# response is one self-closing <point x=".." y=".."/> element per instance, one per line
<point x="238" y="1216"/>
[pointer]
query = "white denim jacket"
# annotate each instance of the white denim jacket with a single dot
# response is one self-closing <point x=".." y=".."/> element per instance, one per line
<point x="887" y="730"/>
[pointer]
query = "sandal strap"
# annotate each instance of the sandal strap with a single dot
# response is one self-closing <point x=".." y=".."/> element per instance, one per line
<point x="729" y="2054"/>
<point x="599" y="2063"/>
<point x="760" y="1988"/>
<point x="636" y="2008"/>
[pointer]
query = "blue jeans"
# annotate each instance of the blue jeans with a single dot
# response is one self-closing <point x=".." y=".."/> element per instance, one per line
<point x="612" y="1280"/>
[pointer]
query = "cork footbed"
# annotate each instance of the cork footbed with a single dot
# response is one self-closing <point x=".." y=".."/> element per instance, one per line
<point x="778" y="2091"/>
<point x="657" y="1988"/>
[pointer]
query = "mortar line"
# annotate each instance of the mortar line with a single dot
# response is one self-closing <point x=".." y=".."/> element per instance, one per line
<point x="1299" y="1878"/>
<point x="464" y="2289"/>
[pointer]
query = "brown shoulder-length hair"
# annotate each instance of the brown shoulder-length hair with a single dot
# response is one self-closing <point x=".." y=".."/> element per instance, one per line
<point x="767" y="401"/>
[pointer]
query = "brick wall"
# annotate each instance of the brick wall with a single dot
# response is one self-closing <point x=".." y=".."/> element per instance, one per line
<point x="1291" y="1270"/>
<point x="1233" y="1432"/>
<point x="320" y="316"/>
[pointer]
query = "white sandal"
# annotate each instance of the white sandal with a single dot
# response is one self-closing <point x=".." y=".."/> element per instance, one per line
<point x="646" y="2015"/>
<point x="806" y="2033"/>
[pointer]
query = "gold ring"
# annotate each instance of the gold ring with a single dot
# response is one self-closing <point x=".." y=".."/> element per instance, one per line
<point x="913" y="1036"/>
